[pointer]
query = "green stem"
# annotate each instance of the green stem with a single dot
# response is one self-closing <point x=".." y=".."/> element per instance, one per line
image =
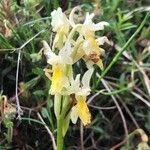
<point x="72" y="32"/>
<point x="56" y="4"/>
<point x="59" y="133"/>
<point x="122" y="49"/>
<point x="60" y="120"/>
<point x="113" y="92"/>
<point x="10" y="134"/>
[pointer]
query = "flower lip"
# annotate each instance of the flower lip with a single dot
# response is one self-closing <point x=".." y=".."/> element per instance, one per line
<point x="94" y="57"/>
<point x="81" y="110"/>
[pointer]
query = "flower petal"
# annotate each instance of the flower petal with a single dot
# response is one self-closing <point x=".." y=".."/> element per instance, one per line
<point x="102" y="40"/>
<point x="99" y="26"/>
<point x="86" y="78"/>
<point x="75" y="85"/>
<point x="100" y="64"/>
<point x="82" y="110"/>
<point x="59" y="20"/>
<point x="88" y="19"/>
<point x="65" y="53"/>
<point x="91" y="25"/>
<point x="71" y="20"/>
<point x="57" y="79"/>
<point x="90" y="45"/>
<point x="74" y="115"/>
<point x="76" y="82"/>
<point x="47" y="51"/>
<point x="57" y="16"/>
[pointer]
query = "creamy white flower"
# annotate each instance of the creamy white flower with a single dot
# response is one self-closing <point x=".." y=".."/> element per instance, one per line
<point x="83" y="87"/>
<point x="59" y="20"/>
<point x="90" y="25"/>
<point x="58" y="62"/>
<point x="81" y="90"/>
<point x="92" y="45"/>
<point x="64" y="56"/>
<point x="90" y="50"/>
<point x="102" y="40"/>
<point x="60" y="25"/>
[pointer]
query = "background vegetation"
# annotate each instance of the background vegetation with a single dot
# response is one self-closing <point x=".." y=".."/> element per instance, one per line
<point x="24" y="24"/>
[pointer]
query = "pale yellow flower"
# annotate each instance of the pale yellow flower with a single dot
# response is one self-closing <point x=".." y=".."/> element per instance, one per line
<point x="59" y="79"/>
<point x="90" y="45"/>
<point x="81" y="110"/>
<point x="60" y="25"/>
<point x="92" y="51"/>
<point x="81" y="90"/>
<point x="90" y="26"/>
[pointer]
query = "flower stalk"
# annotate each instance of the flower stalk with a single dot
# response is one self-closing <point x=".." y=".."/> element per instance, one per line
<point x="59" y="133"/>
<point x="72" y="42"/>
<point x="60" y="122"/>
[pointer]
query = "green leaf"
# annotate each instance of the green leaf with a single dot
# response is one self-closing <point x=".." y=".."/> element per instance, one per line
<point x="38" y="71"/>
<point x="39" y="93"/>
<point x="8" y="123"/>
<point x="57" y="105"/>
<point x="45" y="113"/>
<point x="49" y="102"/>
<point x="66" y="122"/>
<point x="35" y="57"/>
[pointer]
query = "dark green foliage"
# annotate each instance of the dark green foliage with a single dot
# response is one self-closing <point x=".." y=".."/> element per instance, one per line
<point x="127" y="79"/>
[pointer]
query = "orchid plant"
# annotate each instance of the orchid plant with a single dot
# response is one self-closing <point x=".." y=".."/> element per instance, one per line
<point x="70" y="94"/>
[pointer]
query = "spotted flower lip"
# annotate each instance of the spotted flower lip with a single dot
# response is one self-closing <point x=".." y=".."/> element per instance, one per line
<point x="90" y="49"/>
<point x="81" y="90"/>
<point x="81" y="110"/>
